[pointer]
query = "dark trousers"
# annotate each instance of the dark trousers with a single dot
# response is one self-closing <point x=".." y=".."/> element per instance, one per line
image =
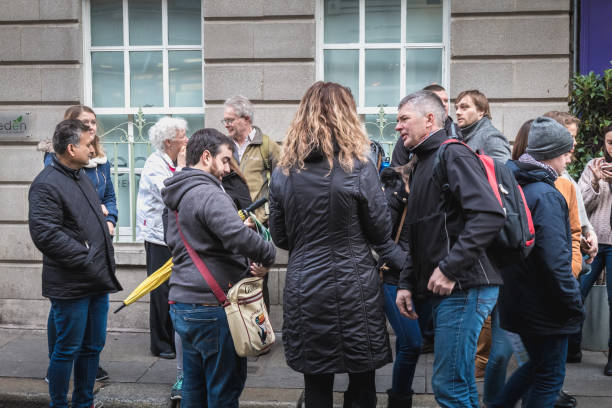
<point x="318" y="390"/>
<point x="541" y="378"/>
<point x="160" y="324"/>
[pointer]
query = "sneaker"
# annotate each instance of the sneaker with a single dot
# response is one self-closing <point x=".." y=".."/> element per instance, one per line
<point x="177" y="389"/>
<point x="47" y="376"/>
<point x="97" y="404"/>
<point x="101" y="374"/>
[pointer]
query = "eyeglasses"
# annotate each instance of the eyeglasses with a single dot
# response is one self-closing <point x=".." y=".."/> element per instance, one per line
<point x="227" y="121"/>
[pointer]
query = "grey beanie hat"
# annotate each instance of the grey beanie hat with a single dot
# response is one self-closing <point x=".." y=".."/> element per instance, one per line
<point x="548" y="139"/>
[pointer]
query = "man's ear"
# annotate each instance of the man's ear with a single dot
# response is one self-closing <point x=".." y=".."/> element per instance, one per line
<point x="205" y="157"/>
<point x="430" y="120"/>
<point x="70" y="150"/>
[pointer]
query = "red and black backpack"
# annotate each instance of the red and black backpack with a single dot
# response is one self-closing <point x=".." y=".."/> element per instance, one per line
<point x="517" y="236"/>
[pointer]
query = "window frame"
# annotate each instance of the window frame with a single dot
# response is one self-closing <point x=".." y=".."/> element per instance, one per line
<point x="362" y="46"/>
<point x="133" y="134"/>
<point x="126" y="49"/>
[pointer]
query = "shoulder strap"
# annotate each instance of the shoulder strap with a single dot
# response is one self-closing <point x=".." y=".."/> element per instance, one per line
<point x="401" y="224"/>
<point x="264" y="150"/>
<point x="210" y="280"/>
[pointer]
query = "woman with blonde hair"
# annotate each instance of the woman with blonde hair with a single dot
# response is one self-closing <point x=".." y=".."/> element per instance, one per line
<point x="327" y="208"/>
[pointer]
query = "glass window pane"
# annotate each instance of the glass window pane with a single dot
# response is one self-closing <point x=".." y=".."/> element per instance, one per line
<point x="107" y="79"/>
<point x="106" y="22"/>
<point x="184" y="22"/>
<point x="112" y="130"/>
<point x="424" y="21"/>
<point x="145" y="19"/>
<point x="146" y="79"/>
<point x="342" y="66"/>
<point x="194" y="122"/>
<point x="382" y="77"/>
<point x="382" y="21"/>
<point x="341" y="21"/>
<point x="185" y="73"/>
<point x="423" y="67"/>
<point x="122" y="193"/>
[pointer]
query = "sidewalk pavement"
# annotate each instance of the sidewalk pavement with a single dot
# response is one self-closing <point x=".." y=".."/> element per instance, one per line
<point x="138" y="379"/>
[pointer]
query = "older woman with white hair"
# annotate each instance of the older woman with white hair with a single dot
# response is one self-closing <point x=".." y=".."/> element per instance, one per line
<point x="168" y="137"/>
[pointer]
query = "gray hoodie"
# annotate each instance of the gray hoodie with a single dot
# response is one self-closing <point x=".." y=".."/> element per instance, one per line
<point x="483" y="136"/>
<point x="211" y="225"/>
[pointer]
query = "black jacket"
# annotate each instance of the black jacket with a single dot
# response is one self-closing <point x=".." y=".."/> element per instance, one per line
<point x="333" y="305"/>
<point x="540" y="296"/>
<point x="397" y="200"/>
<point x="452" y="235"/>
<point x="68" y="227"/>
<point x="211" y="225"/>
<point x="238" y="190"/>
<point x="401" y="154"/>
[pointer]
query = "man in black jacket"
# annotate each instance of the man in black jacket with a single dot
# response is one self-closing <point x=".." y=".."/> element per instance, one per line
<point x="68" y="227"/>
<point x="448" y="241"/>
<point x="401" y="154"/>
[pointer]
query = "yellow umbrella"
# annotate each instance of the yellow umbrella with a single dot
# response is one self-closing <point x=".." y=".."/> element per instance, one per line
<point x="152" y="282"/>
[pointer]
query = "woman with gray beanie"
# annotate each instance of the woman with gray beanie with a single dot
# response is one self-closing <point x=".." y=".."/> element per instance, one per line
<point x="540" y="299"/>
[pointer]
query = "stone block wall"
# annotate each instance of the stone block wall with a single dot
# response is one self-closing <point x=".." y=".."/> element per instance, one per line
<point x="40" y="73"/>
<point x="516" y="52"/>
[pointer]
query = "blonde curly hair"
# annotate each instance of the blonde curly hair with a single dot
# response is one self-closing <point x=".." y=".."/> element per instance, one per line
<point x="326" y="116"/>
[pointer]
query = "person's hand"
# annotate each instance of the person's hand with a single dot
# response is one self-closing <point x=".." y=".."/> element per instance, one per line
<point x="181" y="160"/>
<point x="404" y="303"/>
<point x="596" y="170"/>
<point x="104" y="210"/>
<point x="591" y="246"/>
<point x="258" y="270"/>
<point x="440" y="284"/>
<point x="111" y="228"/>
<point x="249" y="223"/>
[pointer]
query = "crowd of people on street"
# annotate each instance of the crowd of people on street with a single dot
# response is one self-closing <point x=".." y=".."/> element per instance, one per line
<point x="421" y="244"/>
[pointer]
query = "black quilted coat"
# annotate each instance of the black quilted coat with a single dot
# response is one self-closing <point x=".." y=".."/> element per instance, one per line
<point x="333" y="305"/>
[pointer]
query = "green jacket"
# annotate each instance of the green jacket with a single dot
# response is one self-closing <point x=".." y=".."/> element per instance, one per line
<point x="258" y="162"/>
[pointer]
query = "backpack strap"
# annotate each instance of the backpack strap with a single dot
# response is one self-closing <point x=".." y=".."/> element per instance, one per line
<point x="210" y="280"/>
<point x="264" y="151"/>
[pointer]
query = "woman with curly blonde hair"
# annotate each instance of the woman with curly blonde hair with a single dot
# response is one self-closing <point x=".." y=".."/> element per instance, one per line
<point x="327" y="208"/>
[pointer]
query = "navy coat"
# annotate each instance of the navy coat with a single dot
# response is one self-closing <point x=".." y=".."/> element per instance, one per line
<point x="540" y="296"/>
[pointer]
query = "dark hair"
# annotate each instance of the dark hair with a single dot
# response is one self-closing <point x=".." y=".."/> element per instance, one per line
<point x="480" y="101"/>
<point x="520" y="141"/>
<point x="68" y="132"/>
<point x="206" y="139"/>
<point x="607" y="156"/>
<point x="434" y="88"/>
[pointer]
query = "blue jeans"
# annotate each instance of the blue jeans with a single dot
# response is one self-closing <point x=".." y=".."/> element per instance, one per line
<point x="603" y="259"/>
<point x="458" y="319"/>
<point x="541" y="378"/>
<point x="408" y="340"/>
<point x="80" y="327"/>
<point x="213" y="374"/>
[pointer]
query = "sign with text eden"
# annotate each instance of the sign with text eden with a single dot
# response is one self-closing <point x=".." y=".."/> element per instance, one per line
<point x="15" y="125"/>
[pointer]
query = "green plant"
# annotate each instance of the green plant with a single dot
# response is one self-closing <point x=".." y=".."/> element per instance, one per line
<point x="591" y="101"/>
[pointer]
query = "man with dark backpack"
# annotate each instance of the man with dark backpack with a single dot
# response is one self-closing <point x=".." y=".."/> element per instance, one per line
<point x="447" y="245"/>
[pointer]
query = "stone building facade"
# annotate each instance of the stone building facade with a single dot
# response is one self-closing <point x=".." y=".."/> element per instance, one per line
<point x="519" y="53"/>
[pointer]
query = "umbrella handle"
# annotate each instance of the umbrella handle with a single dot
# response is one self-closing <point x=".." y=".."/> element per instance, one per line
<point x="119" y="308"/>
